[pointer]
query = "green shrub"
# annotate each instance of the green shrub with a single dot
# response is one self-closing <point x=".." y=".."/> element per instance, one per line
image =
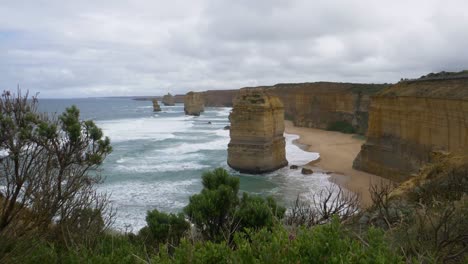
<point x="212" y="209"/>
<point x="256" y="212"/>
<point x="341" y="126"/>
<point x="329" y="243"/>
<point x="164" y="227"/>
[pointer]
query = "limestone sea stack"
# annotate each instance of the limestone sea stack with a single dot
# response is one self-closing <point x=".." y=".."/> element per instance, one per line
<point x="156" y="107"/>
<point x="193" y="104"/>
<point x="257" y="125"/>
<point x="168" y="100"/>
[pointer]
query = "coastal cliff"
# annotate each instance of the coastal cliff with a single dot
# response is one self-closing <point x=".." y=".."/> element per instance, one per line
<point x="410" y="121"/>
<point x="219" y="98"/>
<point x="257" y="124"/>
<point x="193" y="103"/>
<point x="323" y="104"/>
<point x="168" y="100"/>
<point x="315" y="105"/>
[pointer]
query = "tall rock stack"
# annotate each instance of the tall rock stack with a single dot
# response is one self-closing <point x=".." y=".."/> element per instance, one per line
<point x="156" y="107"/>
<point x="193" y="104"/>
<point x="168" y="100"/>
<point x="257" y="125"/>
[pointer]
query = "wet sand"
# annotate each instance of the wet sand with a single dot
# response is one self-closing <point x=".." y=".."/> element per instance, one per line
<point x="337" y="152"/>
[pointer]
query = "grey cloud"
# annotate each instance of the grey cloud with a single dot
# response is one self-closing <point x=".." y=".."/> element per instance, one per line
<point x="89" y="48"/>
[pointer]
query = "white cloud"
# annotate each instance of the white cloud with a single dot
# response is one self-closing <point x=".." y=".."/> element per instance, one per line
<point x="99" y="48"/>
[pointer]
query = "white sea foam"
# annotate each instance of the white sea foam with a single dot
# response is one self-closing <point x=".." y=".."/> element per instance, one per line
<point x="184" y="148"/>
<point x="162" y="167"/>
<point x="295" y="155"/>
<point x="143" y="128"/>
<point x="154" y="163"/>
<point x="224" y="112"/>
<point x="3" y="153"/>
<point x="133" y="199"/>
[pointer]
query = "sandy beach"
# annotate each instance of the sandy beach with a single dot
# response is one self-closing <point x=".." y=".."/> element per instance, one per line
<point x="337" y="152"/>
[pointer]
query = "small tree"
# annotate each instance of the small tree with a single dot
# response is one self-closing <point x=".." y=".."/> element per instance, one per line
<point x="164" y="227"/>
<point x="218" y="213"/>
<point x="211" y="210"/>
<point x="254" y="212"/>
<point x="50" y="168"/>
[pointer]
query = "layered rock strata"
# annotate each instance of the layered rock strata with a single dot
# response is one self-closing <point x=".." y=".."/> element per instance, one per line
<point x="156" y="106"/>
<point x="410" y="121"/>
<point x="322" y="104"/>
<point x="193" y="104"/>
<point x="257" y="124"/>
<point x="317" y="105"/>
<point x="168" y="100"/>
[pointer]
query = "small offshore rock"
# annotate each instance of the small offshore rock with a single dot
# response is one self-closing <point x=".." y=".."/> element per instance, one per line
<point x="306" y="171"/>
<point x="294" y="167"/>
<point x="227" y="127"/>
<point x="156" y="107"/>
<point x="209" y="123"/>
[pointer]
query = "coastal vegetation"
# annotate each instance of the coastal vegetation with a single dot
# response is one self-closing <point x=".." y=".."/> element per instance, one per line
<point x="341" y="126"/>
<point x="52" y="213"/>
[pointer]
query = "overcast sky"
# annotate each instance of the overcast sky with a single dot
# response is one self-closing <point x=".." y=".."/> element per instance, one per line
<point x="115" y="48"/>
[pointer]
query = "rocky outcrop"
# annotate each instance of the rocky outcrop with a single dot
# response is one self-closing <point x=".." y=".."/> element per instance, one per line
<point x="193" y="104"/>
<point x="168" y="100"/>
<point x="257" y="124"/>
<point x="156" y="107"/>
<point x="410" y="121"/>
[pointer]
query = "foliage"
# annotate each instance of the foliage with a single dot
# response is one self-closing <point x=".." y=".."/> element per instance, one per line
<point x="438" y="231"/>
<point x="108" y="249"/>
<point x="324" y="244"/>
<point x="212" y="209"/>
<point x="50" y="171"/>
<point x="341" y="126"/>
<point x="164" y="228"/>
<point x="218" y="214"/>
<point x="255" y="212"/>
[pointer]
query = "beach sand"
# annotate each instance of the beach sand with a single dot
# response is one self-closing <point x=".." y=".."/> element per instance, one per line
<point x="337" y="152"/>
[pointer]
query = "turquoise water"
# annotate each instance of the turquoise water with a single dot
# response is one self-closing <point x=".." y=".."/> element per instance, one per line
<point x="158" y="158"/>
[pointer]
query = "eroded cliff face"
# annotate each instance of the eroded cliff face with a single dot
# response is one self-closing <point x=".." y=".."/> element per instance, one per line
<point x="257" y="124"/>
<point x="193" y="104"/>
<point x="411" y="120"/>
<point x="316" y="105"/>
<point x="156" y="106"/>
<point x="321" y="104"/>
<point x="219" y="98"/>
<point x="168" y="100"/>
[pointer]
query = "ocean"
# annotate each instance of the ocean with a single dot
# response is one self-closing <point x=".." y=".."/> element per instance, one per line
<point x="158" y="158"/>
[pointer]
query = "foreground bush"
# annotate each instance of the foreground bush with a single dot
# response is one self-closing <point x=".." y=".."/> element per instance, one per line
<point x="218" y="213"/>
<point x="164" y="228"/>
<point x="328" y="243"/>
<point x="49" y="172"/>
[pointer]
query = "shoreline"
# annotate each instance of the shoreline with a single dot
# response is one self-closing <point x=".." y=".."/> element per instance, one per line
<point x="337" y="152"/>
